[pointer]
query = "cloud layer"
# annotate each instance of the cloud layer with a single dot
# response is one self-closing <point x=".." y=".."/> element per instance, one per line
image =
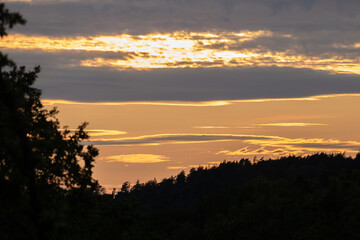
<point x="281" y="41"/>
<point x="288" y="145"/>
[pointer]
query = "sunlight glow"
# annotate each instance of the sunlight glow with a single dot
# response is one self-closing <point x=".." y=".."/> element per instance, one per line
<point x="184" y="50"/>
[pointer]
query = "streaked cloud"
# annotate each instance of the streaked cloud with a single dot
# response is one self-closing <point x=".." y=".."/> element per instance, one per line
<point x="99" y="132"/>
<point x="282" y="145"/>
<point x="211" y="127"/>
<point x="291" y="124"/>
<point x="261" y="151"/>
<point x="103" y="132"/>
<point x="285" y="124"/>
<point x="54" y="102"/>
<point x="224" y="127"/>
<point x="137" y="158"/>
<point x="176" y="139"/>
<point x="176" y="167"/>
<point x="17" y="1"/>
<point x="50" y="102"/>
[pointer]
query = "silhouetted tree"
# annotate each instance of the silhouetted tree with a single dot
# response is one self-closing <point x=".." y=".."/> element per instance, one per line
<point x="42" y="170"/>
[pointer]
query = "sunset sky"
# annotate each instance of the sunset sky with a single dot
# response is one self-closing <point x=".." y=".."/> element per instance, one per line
<point x="168" y="85"/>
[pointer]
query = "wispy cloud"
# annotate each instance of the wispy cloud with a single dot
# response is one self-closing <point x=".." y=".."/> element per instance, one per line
<point x="137" y="158"/>
<point x="50" y="102"/>
<point x="310" y="144"/>
<point x="211" y="127"/>
<point x="177" y="139"/>
<point x="285" y="146"/>
<point x="247" y="151"/>
<point x="99" y="132"/>
<point x="266" y="144"/>
<point x="176" y="167"/>
<point x="217" y="103"/>
<point x="290" y="124"/>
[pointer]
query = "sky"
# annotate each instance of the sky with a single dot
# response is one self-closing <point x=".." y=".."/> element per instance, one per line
<point x="168" y="85"/>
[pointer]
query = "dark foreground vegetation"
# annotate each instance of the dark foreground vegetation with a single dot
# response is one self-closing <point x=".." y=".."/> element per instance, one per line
<point x="313" y="197"/>
<point x="47" y="190"/>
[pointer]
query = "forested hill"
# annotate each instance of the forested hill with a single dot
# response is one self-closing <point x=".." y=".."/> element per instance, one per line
<point x="312" y="197"/>
<point x="185" y="191"/>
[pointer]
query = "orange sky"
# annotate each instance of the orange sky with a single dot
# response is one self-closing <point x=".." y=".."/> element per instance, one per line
<point x="143" y="141"/>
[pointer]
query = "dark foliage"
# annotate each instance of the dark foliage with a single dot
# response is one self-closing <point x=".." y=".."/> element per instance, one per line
<point x="313" y="197"/>
<point x="45" y="174"/>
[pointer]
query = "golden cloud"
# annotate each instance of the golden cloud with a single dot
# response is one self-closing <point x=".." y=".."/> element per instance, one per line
<point x="186" y="50"/>
<point x="52" y="102"/>
<point x="137" y="158"/>
<point x="211" y="127"/>
<point x="267" y="145"/>
<point x="291" y="124"/>
<point x="176" y="167"/>
<point x="99" y="132"/>
<point x="247" y="151"/>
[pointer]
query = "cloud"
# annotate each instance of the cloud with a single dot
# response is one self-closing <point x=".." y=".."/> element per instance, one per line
<point x="17" y="0"/>
<point x="282" y="35"/>
<point x="224" y="127"/>
<point x="292" y="124"/>
<point x="211" y="127"/>
<point x="137" y="158"/>
<point x="50" y="102"/>
<point x="301" y="145"/>
<point x="266" y="144"/>
<point x="194" y="85"/>
<point x="99" y="132"/>
<point x="176" y="139"/>
<point x="247" y="151"/>
<point x="107" y="16"/>
<point x="62" y="78"/>
<point x="184" y="50"/>
<point x="176" y="167"/>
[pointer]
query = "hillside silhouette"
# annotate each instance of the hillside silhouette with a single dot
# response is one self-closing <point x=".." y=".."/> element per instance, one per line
<point x="311" y="197"/>
<point x="185" y="190"/>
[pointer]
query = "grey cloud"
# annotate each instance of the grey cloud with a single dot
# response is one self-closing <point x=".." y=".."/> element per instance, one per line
<point x="60" y="80"/>
<point x="140" y="16"/>
<point x="317" y="25"/>
<point x="354" y="147"/>
<point x="191" y="84"/>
